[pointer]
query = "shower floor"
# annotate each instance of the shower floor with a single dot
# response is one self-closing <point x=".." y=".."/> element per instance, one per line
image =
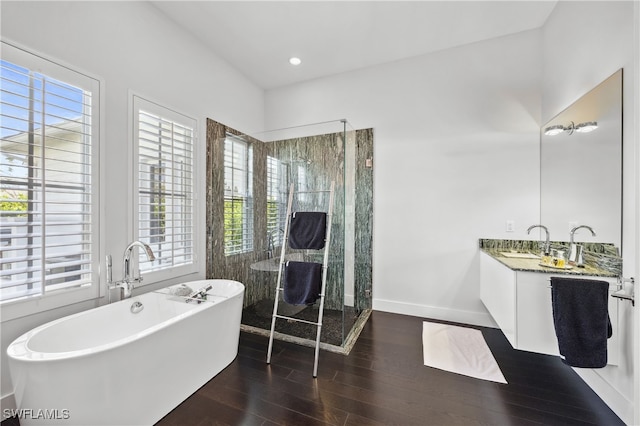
<point x="259" y="316"/>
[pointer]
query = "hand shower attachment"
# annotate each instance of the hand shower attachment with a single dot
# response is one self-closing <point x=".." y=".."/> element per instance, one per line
<point x="199" y="295"/>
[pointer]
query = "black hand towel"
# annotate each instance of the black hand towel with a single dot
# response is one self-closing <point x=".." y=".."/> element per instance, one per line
<point x="307" y="230"/>
<point x="302" y="282"/>
<point x="581" y="320"/>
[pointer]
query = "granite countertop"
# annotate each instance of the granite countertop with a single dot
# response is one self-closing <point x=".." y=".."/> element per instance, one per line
<point x="601" y="262"/>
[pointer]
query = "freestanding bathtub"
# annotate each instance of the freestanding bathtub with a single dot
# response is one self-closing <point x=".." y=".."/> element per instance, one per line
<point x="125" y="363"/>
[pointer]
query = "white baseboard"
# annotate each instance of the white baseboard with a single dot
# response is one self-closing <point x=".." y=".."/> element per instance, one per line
<point x="482" y="319"/>
<point x="618" y="403"/>
<point x="349" y="300"/>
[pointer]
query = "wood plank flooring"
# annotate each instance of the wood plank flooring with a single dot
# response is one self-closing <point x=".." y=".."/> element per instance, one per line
<point x="383" y="382"/>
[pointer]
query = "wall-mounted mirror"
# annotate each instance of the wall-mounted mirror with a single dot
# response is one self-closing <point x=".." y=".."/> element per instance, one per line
<point x="581" y="166"/>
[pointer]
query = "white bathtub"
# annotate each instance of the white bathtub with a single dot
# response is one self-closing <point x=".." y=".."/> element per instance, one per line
<point x="110" y="366"/>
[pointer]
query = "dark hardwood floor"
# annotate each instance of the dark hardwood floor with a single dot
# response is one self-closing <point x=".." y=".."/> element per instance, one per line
<point x="384" y="381"/>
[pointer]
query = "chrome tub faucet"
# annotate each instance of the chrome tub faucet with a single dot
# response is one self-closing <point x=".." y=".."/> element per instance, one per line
<point x="126" y="285"/>
<point x="271" y="241"/>
<point x="126" y="259"/>
<point x="270" y="244"/>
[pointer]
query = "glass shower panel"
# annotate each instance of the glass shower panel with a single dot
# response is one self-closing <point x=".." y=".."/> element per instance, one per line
<point x="309" y="157"/>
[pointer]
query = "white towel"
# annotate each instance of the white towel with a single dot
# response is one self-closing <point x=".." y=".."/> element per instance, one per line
<point x="459" y="350"/>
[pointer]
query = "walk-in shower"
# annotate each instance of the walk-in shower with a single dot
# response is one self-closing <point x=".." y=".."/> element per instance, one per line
<point x="248" y="177"/>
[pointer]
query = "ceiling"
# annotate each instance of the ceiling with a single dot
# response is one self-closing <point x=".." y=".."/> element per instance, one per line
<point x="258" y="37"/>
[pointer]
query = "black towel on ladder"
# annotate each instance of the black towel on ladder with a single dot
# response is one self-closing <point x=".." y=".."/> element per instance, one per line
<point x="302" y="282"/>
<point x="581" y="320"/>
<point x="307" y="230"/>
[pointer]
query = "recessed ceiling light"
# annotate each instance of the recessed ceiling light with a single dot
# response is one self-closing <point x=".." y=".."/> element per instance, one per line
<point x="295" y="61"/>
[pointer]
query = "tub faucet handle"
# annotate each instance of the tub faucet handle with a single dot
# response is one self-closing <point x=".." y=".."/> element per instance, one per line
<point x="109" y="264"/>
<point x="126" y="288"/>
<point x="137" y="279"/>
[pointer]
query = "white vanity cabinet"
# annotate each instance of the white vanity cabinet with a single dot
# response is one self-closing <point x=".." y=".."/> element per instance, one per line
<point x="534" y="318"/>
<point x="520" y="303"/>
<point x="498" y="293"/>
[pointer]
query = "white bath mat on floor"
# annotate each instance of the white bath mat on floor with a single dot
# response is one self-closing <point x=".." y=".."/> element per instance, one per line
<point x="459" y="350"/>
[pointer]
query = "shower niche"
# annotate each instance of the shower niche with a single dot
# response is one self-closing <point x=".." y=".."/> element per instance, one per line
<point x="248" y="180"/>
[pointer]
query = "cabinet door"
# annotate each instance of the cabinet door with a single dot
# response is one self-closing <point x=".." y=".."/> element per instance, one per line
<point x="615" y="313"/>
<point x="498" y="293"/>
<point x="534" y="321"/>
<point x="535" y="315"/>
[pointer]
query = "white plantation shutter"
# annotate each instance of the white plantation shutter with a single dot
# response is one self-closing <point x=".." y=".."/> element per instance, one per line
<point x="48" y="178"/>
<point x="276" y="200"/>
<point x="165" y="186"/>
<point x="238" y="195"/>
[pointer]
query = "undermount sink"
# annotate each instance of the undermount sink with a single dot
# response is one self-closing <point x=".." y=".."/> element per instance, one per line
<point x="273" y="264"/>
<point x="519" y="255"/>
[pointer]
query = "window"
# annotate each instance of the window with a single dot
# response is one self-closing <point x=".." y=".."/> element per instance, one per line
<point x="302" y="185"/>
<point x="276" y="200"/>
<point x="164" y="142"/>
<point x="48" y="179"/>
<point x="238" y="195"/>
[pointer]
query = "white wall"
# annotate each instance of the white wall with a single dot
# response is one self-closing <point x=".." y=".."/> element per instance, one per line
<point x="131" y="47"/>
<point x="456" y="155"/>
<point x="583" y="44"/>
<point x="634" y="209"/>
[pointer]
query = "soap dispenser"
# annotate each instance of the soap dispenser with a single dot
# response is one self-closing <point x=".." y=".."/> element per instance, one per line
<point x="575" y="255"/>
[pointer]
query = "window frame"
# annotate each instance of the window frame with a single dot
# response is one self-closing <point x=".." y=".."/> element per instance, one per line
<point x="70" y="74"/>
<point x="139" y="102"/>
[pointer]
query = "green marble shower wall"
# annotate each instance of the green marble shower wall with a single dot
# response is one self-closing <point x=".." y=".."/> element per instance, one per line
<point x="363" y="241"/>
<point x="311" y="162"/>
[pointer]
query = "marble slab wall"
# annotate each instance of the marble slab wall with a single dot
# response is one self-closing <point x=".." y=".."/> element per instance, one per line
<point x="363" y="271"/>
<point x="236" y="267"/>
<point x="604" y="256"/>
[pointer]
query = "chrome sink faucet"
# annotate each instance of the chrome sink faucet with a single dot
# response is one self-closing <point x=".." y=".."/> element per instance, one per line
<point x="126" y="285"/>
<point x="575" y="255"/>
<point x="547" y="245"/>
<point x="573" y="231"/>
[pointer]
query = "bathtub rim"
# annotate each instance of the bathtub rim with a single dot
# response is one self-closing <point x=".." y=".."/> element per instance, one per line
<point x="25" y="354"/>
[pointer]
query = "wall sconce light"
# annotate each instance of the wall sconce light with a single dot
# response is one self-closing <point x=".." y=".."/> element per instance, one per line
<point x="587" y="126"/>
<point x="554" y="130"/>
